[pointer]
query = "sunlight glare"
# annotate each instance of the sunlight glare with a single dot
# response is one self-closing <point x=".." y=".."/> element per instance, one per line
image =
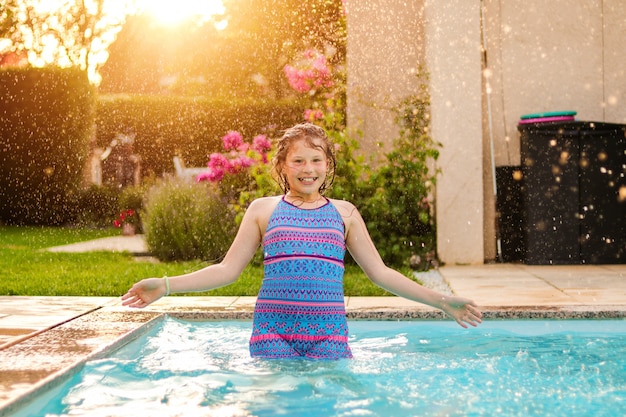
<point x="170" y="13"/>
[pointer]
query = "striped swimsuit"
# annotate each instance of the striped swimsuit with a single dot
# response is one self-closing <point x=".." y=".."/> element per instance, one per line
<point x="300" y="309"/>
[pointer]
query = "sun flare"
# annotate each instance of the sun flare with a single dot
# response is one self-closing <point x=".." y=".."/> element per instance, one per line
<point x="168" y="13"/>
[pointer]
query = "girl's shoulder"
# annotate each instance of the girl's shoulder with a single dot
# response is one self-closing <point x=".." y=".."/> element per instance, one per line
<point x="266" y="201"/>
<point x="264" y="205"/>
<point x="261" y="209"/>
<point x="340" y="203"/>
<point x="345" y="208"/>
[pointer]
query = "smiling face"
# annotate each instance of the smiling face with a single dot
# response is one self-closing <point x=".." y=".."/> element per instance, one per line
<point x="305" y="169"/>
<point x="304" y="160"/>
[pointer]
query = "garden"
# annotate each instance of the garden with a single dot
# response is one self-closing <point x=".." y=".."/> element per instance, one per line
<point x="190" y="224"/>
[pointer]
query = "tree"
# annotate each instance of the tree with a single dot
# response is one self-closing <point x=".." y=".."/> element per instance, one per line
<point x="244" y="59"/>
<point x="7" y="19"/>
<point x="70" y="33"/>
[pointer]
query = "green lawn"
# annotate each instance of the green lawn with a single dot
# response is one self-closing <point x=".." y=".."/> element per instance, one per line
<point x="27" y="269"/>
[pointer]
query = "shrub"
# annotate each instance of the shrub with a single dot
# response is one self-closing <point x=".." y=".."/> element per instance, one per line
<point x="97" y="206"/>
<point x="398" y="211"/>
<point x="131" y="200"/>
<point x="185" y="221"/>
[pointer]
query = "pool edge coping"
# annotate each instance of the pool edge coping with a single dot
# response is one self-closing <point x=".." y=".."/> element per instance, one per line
<point x="57" y="378"/>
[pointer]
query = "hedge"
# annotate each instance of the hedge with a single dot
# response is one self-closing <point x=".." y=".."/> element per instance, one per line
<point x="48" y="116"/>
<point x="46" y="120"/>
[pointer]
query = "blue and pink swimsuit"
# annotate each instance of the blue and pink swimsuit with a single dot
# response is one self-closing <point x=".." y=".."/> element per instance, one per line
<point x="300" y="309"/>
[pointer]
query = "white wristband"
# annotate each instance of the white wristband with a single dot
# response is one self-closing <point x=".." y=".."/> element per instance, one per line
<point x="167" y="285"/>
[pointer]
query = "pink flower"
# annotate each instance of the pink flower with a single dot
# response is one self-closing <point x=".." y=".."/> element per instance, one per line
<point x="312" y="115"/>
<point x="236" y="158"/>
<point x="212" y="175"/>
<point x="261" y="144"/>
<point x="232" y="140"/>
<point x="218" y="161"/>
<point x="322" y="76"/>
<point x="240" y="163"/>
<point x="296" y="79"/>
<point x="218" y="165"/>
<point x="124" y="216"/>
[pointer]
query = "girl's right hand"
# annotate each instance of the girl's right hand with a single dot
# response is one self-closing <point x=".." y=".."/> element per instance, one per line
<point x="144" y="293"/>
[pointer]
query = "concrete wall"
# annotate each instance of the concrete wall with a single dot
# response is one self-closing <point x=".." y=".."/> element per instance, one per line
<point x="555" y="55"/>
<point x="545" y="56"/>
<point x="385" y="47"/>
<point x="540" y="56"/>
<point x="453" y="60"/>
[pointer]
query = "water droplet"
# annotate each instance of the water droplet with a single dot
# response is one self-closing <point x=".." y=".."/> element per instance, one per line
<point x="621" y="194"/>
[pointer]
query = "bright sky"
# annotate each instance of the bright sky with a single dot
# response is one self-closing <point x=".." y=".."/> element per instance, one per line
<point x="169" y="12"/>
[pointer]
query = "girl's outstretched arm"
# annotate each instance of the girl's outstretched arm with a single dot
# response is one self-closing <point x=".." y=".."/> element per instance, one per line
<point x="239" y="254"/>
<point x="464" y="311"/>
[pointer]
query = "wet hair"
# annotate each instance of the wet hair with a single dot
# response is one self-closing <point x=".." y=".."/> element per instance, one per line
<point x="309" y="133"/>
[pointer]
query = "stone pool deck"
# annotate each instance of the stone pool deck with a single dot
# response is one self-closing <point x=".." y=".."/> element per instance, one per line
<point x="42" y="338"/>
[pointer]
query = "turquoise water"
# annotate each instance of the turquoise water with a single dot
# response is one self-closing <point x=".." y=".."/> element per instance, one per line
<point x="504" y="368"/>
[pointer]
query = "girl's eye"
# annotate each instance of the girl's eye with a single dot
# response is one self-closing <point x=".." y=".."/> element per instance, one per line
<point x="302" y="161"/>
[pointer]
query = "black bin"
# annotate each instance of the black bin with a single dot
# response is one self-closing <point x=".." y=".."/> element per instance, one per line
<point x="510" y="214"/>
<point x="574" y="192"/>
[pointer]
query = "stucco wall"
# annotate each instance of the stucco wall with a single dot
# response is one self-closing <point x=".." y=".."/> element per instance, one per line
<point x="614" y="55"/>
<point x="545" y="56"/>
<point x="454" y="62"/>
<point x="385" y="47"/>
<point x="540" y="56"/>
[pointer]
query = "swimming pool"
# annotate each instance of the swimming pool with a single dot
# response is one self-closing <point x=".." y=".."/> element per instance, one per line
<point x="406" y="368"/>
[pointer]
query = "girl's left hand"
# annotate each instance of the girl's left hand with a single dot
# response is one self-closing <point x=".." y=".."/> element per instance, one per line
<point x="463" y="311"/>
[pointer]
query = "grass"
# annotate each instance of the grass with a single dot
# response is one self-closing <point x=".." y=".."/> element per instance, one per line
<point x="26" y="268"/>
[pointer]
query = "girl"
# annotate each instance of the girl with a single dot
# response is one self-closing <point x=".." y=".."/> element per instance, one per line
<point x="300" y="308"/>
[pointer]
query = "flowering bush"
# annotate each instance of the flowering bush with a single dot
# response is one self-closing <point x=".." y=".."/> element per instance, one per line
<point x="230" y="169"/>
<point x="126" y="216"/>
<point x="394" y="197"/>
<point x="238" y="156"/>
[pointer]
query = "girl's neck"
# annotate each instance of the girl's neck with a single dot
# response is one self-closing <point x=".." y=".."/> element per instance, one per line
<point x="310" y="201"/>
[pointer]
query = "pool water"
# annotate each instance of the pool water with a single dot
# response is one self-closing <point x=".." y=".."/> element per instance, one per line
<point x="407" y="368"/>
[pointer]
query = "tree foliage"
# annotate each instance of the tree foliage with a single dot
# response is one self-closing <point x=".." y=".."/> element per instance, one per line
<point x="244" y="59"/>
<point x="8" y="19"/>
<point x="70" y="33"/>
